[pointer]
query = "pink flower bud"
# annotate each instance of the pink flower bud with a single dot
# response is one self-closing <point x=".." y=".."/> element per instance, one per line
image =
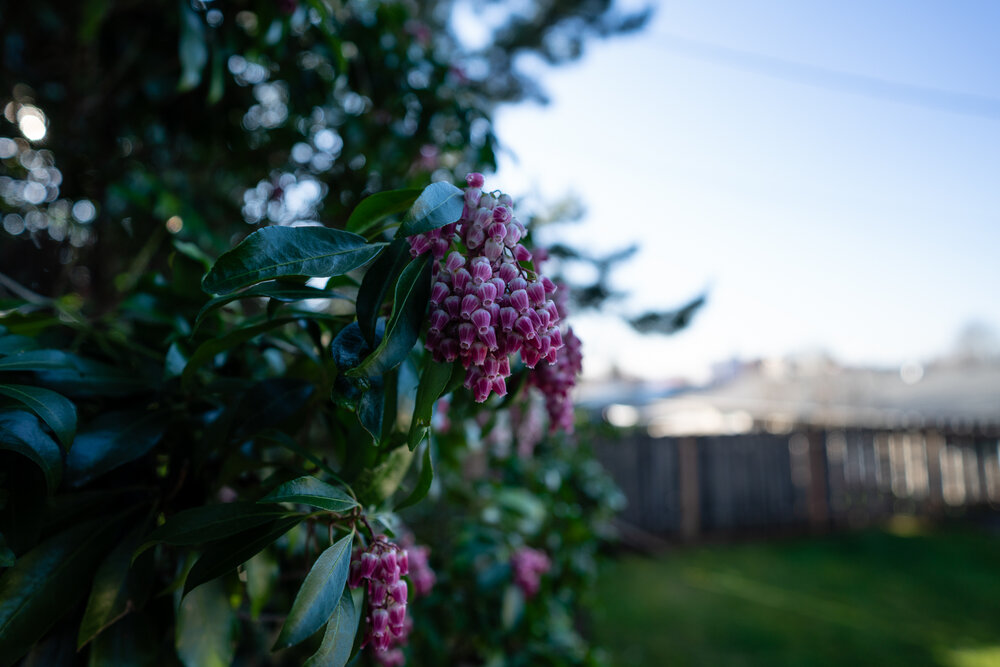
<point x="481" y="320"/>
<point x="524" y="326"/>
<point x="497" y="231"/>
<point x="469" y="304"/>
<point x="506" y="200"/>
<point x="550" y="287"/>
<point x="354" y="578"/>
<point x="529" y="356"/>
<point x="481" y="270"/>
<point x="398" y="592"/>
<point x="472" y="197"/>
<point x="481" y="391"/>
<point x="453" y="304"/>
<point x="419" y="244"/>
<point x="381" y="641"/>
<point x="504" y="370"/>
<point x="368" y="564"/>
<point x="397" y="612"/>
<point x="499" y="386"/>
<point x="380" y="621"/>
<point x="449" y="349"/>
<point x="536" y="292"/>
<point x="439" y="292"/>
<point x="521" y="253"/>
<point x="500" y="285"/>
<point x="438" y="321"/>
<point x="491" y="365"/>
<point x="507" y="317"/>
<point x="508" y="272"/>
<point x="478" y="352"/>
<point x="455" y="261"/>
<point x="519" y="300"/>
<point x="487" y="201"/>
<point x="487" y="292"/>
<point x="403" y="560"/>
<point x="466" y="335"/>
<point x="501" y="214"/>
<point x="493" y="249"/>
<point x="489" y="338"/>
<point x="439" y="248"/>
<point x="483" y="217"/>
<point x="475" y="179"/>
<point x="475" y="237"/>
<point x="516" y="284"/>
<point x="461" y="280"/>
<point x="377" y="591"/>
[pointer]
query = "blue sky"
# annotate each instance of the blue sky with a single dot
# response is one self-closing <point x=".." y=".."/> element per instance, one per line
<point x="820" y="218"/>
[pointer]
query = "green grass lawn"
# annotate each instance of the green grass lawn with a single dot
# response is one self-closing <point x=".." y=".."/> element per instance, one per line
<point x="870" y="598"/>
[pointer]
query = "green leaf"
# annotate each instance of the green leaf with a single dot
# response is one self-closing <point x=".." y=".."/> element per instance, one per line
<point x="81" y="377"/>
<point x="207" y="350"/>
<point x="311" y="491"/>
<point x="433" y="381"/>
<point x="262" y="575"/>
<point x="338" y="639"/>
<point x="191" y="49"/>
<point x="36" y="360"/>
<point x="289" y="443"/>
<point x="130" y="642"/>
<point x="423" y="481"/>
<point x="377" y="283"/>
<point x="55" y="410"/>
<point x="319" y="595"/>
<point x="111" y="440"/>
<point x="109" y="597"/>
<point x="210" y="523"/>
<point x="205" y="634"/>
<point x="408" y="310"/>
<point x="21" y="432"/>
<point x="225" y="555"/>
<point x="47" y="582"/>
<point x="438" y="205"/>
<point x="273" y="252"/>
<point x="16" y="344"/>
<point x="274" y="289"/>
<point x="371" y="409"/>
<point x="375" y="208"/>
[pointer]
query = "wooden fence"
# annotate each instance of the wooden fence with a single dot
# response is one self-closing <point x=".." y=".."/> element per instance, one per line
<point x="686" y="487"/>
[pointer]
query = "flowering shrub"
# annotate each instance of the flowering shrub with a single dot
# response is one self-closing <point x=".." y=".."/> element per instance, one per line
<point x="208" y="469"/>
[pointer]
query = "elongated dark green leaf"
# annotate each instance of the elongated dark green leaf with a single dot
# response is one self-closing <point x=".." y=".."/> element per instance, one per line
<point x="55" y="409"/>
<point x="81" y="377"/>
<point x="47" y="582"/>
<point x="311" y="491"/>
<point x="21" y="432"/>
<point x="36" y="360"/>
<point x="319" y="595"/>
<point x="16" y="344"/>
<point x="211" y="522"/>
<point x="377" y="207"/>
<point x="423" y="481"/>
<point x="433" y="381"/>
<point x="225" y="555"/>
<point x="109" y="596"/>
<point x="205" y="634"/>
<point x="408" y="309"/>
<point x="438" y="205"/>
<point x="273" y="289"/>
<point x="338" y="638"/>
<point x="377" y="283"/>
<point x="130" y="642"/>
<point x="207" y="350"/>
<point x="371" y="409"/>
<point x="274" y="252"/>
<point x="111" y="440"/>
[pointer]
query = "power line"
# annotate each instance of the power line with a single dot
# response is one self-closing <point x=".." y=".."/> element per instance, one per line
<point x="812" y="75"/>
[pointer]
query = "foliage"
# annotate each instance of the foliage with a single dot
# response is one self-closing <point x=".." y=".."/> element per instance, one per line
<point x="194" y="452"/>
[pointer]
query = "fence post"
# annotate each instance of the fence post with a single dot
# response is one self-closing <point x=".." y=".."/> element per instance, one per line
<point x="817" y="498"/>
<point x="690" y="493"/>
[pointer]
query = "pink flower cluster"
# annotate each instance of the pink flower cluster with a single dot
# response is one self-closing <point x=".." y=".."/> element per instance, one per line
<point x="485" y="305"/>
<point x="557" y="380"/>
<point x="382" y="564"/>
<point x="528" y="566"/>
